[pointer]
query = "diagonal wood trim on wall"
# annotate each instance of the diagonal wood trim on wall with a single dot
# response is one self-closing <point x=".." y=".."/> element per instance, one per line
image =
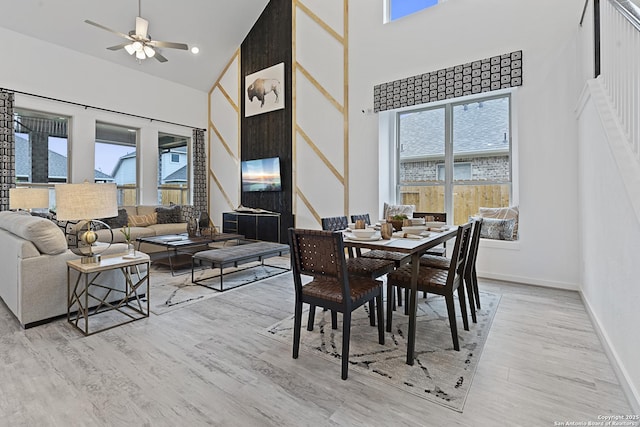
<point x="320" y="22"/>
<point x="322" y="157"/>
<point x="226" y="95"/>
<point x="215" y="179"/>
<point x="309" y="206"/>
<point x="320" y="88"/>
<point x="222" y="141"/>
<point x="341" y="107"/>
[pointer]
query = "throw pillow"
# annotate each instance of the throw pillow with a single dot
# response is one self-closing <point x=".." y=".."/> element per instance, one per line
<point x="143" y="220"/>
<point x="168" y="214"/>
<point x="391" y="210"/>
<point x="497" y="229"/>
<point x="117" y="221"/>
<point x="511" y="212"/>
<point x="68" y="228"/>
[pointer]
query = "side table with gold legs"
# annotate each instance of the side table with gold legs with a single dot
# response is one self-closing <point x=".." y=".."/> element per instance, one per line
<point x="116" y="306"/>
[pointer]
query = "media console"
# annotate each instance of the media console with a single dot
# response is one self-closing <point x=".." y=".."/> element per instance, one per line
<point x="254" y="226"/>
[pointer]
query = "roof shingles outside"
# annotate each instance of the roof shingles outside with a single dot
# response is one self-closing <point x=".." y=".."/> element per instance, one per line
<point x="481" y="127"/>
<point x="57" y="163"/>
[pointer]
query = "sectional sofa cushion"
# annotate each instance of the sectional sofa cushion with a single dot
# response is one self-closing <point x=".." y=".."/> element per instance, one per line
<point x="43" y="233"/>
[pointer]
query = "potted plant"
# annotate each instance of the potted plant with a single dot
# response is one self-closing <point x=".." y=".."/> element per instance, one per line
<point x="126" y="231"/>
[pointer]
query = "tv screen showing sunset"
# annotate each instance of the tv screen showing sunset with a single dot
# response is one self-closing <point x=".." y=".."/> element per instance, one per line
<point x="261" y="175"/>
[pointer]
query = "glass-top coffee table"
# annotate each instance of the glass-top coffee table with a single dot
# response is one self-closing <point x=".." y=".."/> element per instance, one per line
<point x="180" y="247"/>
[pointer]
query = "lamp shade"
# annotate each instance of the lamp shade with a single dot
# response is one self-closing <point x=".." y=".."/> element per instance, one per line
<point x="28" y="198"/>
<point x="86" y="201"/>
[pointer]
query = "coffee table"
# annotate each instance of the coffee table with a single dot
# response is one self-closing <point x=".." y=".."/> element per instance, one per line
<point x="180" y="247"/>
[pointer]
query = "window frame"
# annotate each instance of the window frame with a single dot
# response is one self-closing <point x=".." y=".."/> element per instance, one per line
<point x="388" y="7"/>
<point x="392" y="129"/>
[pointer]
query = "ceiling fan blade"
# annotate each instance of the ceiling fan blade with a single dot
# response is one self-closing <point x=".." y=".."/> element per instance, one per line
<point x="119" y="46"/>
<point x="172" y="45"/>
<point x="159" y="57"/>
<point x="142" y="26"/>
<point x="95" y="24"/>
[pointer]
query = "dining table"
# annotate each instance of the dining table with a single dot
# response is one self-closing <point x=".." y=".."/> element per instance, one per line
<point x="415" y="246"/>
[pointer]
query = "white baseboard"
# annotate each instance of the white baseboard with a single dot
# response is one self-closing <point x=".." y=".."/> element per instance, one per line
<point x="528" y="281"/>
<point x="628" y="388"/>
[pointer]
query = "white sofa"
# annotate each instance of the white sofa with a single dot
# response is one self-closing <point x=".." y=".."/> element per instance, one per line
<point x="34" y="258"/>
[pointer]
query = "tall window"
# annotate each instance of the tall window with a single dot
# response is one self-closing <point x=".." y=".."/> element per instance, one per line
<point x="41" y="147"/>
<point x="396" y="9"/>
<point x="456" y="158"/>
<point x="116" y="160"/>
<point x="173" y="169"/>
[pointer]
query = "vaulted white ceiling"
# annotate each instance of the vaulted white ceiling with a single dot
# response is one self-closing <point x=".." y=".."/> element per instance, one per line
<point x="216" y="27"/>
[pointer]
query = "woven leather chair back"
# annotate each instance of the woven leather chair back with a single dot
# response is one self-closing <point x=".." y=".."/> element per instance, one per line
<point x="335" y="223"/>
<point x="318" y="253"/>
<point x="364" y="217"/>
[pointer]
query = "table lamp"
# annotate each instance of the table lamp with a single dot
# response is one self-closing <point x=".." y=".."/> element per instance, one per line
<point x="86" y="202"/>
<point x="28" y="198"/>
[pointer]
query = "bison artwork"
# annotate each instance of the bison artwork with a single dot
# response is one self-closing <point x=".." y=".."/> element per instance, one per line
<point x="261" y="87"/>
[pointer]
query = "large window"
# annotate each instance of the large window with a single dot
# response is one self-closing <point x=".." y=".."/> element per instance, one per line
<point x="173" y="169"/>
<point x="455" y="158"/>
<point x="116" y="160"/>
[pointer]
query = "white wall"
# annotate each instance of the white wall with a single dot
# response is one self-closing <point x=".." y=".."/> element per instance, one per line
<point x="461" y="31"/>
<point x="610" y="237"/>
<point x="48" y="70"/>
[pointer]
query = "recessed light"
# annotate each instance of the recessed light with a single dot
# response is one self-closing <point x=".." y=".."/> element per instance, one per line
<point x="131" y="130"/>
<point x="195" y="50"/>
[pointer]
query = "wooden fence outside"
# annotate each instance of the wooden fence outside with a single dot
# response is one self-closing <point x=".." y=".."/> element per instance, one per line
<point x="179" y="195"/>
<point x="467" y="199"/>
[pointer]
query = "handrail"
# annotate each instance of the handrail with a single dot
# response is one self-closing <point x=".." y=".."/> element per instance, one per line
<point x="629" y="10"/>
<point x="584" y="11"/>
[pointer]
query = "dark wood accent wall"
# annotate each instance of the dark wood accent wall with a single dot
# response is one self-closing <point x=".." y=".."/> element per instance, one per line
<point x="270" y="134"/>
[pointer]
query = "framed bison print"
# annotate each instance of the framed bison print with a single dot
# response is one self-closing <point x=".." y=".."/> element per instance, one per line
<point x="264" y="90"/>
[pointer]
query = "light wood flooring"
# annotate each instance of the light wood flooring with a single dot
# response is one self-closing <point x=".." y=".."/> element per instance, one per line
<point x="206" y="364"/>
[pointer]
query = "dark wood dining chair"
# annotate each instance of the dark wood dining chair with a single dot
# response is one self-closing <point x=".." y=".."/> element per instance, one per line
<point x="470" y="277"/>
<point x="398" y="258"/>
<point x="372" y="267"/>
<point x="441" y="249"/>
<point x="320" y="254"/>
<point x="365" y="217"/>
<point x="438" y="281"/>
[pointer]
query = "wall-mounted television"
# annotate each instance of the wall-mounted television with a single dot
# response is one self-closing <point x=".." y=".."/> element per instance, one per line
<point x="261" y="175"/>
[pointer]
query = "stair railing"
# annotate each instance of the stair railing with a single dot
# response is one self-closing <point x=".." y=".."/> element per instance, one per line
<point x="620" y="64"/>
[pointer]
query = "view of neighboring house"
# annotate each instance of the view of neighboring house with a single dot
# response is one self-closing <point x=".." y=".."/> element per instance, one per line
<point x="172" y="168"/>
<point x="57" y="164"/>
<point x="480" y="143"/>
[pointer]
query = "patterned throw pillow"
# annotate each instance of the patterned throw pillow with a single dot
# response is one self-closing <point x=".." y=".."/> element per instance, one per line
<point x="511" y="212"/>
<point x="117" y="221"/>
<point x="497" y="229"/>
<point x="143" y="220"/>
<point x="392" y="210"/>
<point x="69" y="230"/>
<point x="168" y="214"/>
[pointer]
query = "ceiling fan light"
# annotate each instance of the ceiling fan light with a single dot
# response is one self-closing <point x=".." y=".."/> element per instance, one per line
<point x="130" y="49"/>
<point x="137" y="46"/>
<point x="140" y="54"/>
<point x="149" y="51"/>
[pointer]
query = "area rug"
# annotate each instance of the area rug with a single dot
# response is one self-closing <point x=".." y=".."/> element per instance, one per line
<point x="439" y="374"/>
<point x="168" y="292"/>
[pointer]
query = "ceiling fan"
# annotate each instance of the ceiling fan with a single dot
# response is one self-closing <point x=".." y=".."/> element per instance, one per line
<point x="139" y="42"/>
